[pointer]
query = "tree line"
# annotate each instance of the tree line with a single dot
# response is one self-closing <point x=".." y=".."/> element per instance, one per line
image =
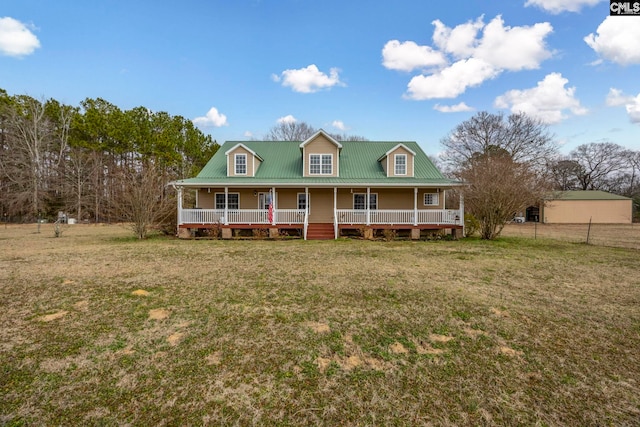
<point x="84" y="160"/>
<point x="513" y="162"/>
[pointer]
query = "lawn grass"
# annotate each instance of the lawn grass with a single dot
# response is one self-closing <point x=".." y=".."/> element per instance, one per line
<point x="511" y="332"/>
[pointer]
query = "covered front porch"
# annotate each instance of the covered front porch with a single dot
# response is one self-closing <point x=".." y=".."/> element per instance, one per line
<point x="309" y="209"/>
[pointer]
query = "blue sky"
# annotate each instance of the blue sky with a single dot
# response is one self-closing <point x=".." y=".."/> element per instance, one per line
<point x="401" y="70"/>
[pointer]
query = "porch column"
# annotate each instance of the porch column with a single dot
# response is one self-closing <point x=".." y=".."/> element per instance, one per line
<point x="462" y="211"/>
<point x="335" y="212"/>
<point x="306" y="211"/>
<point x="415" y="206"/>
<point x="180" y="205"/>
<point x="274" y="211"/>
<point x="226" y="205"/>
<point x="306" y="203"/>
<point x="368" y="202"/>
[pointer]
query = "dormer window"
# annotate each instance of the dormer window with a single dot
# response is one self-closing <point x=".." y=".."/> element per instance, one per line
<point x="400" y="164"/>
<point x="241" y="164"/>
<point x="320" y="164"/>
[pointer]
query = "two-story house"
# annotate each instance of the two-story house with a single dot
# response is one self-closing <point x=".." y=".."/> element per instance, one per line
<point x="319" y="188"/>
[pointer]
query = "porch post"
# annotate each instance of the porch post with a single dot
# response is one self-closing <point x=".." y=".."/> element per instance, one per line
<point x="306" y="211"/>
<point x="180" y="205"/>
<point x="226" y="205"/>
<point x="335" y="212"/>
<point x="274" y="219"/>
<point x="462" y="211"/>
<point x="368" y="203"/>
<point x="415" y="206"/>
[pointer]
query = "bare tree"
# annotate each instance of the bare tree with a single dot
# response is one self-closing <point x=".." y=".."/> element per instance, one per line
<point x="564" y="173"/>
<point x="142" y="201"/>
<point x="290" y="131"/>
<point x="599" y="164"/>
<point x="498" y="188"/>
<point x="503" y="164"/>
<point x="34" y="148"/>
<point x="526" y="139"/>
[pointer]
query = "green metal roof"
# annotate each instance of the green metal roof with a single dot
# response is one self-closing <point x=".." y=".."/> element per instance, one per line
<point x="358" y="163"/>
<point x="586" y="195"/>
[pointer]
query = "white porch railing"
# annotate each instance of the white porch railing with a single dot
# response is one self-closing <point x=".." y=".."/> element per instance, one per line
<point x="343" y="216"/>
<point x="399" y="216"/>
<point x="241" y="216"/>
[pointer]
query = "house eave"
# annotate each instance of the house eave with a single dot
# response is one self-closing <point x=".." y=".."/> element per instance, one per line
<point x="254" y="184"/>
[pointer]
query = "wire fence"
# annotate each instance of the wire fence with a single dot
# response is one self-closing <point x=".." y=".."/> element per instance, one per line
<point x="614" y="235"/>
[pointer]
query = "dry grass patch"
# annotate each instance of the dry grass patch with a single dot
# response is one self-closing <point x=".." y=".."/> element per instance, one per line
<point x="158" y="314"/>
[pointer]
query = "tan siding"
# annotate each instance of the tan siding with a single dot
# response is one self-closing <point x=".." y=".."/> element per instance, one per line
<point x="397" y="198"/>
<point x="321" y="145"/>
<point x="345" y="197"/>
<point x="580" y="211"/>
<point x="401" y="198"/>
<point x="251" y="160"/>
<point x="205" y="199"/>
<point x="288" y="198"/>
<point x="321" y="204"/>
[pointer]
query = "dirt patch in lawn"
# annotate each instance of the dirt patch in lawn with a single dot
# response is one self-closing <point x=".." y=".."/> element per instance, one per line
<point x="158" y="314"/>
<point x="398" y="348"/>
<point x="53" y="316"/>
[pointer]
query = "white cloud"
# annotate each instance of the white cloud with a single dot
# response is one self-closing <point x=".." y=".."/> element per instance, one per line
<point x="617" y="40"/>
<point x="558" y="6"/>
<point x="408" y="56"/>
<point x="514" y="48"/>
<point x="633" y="109"/>
<point x="16" y="39"/>
<point x="309" y="79"/>
<point x="213" y="118"/>
<point x="339" y="124"/>
<point x="480" y="52"/>
<point x="287" y="119"/>
<point x="248" y="134"/>
<point x="616" y="98"/>
<point x="458" y="108"/>
<point x="547" y="101"/>
<point x="451" y="81"/>
<point x="459" y="41"/>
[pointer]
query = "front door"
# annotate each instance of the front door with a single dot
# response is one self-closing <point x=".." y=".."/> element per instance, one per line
<point x="264" y="199"/>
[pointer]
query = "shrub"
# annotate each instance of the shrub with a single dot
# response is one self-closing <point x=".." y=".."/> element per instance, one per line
<point x="471" y="225"/>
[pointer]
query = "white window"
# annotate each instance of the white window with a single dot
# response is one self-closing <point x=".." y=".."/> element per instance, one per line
<point x="241" y="164"/>
<point x="360" y="198"/>
<point x="234" y="200"/>
<point x="320" y="164"/>
<point x="431" y="199"/>
<point x="400" y="164"/>
<point x="302" y="200"/>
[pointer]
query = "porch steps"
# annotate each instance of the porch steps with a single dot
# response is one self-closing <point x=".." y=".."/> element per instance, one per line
<point x="320" y="232"/>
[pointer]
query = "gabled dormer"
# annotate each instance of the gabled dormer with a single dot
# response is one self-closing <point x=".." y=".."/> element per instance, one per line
<point x="320" y="156"/>
<point x="398" y="162"/>
<point x="242" y="161"/>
